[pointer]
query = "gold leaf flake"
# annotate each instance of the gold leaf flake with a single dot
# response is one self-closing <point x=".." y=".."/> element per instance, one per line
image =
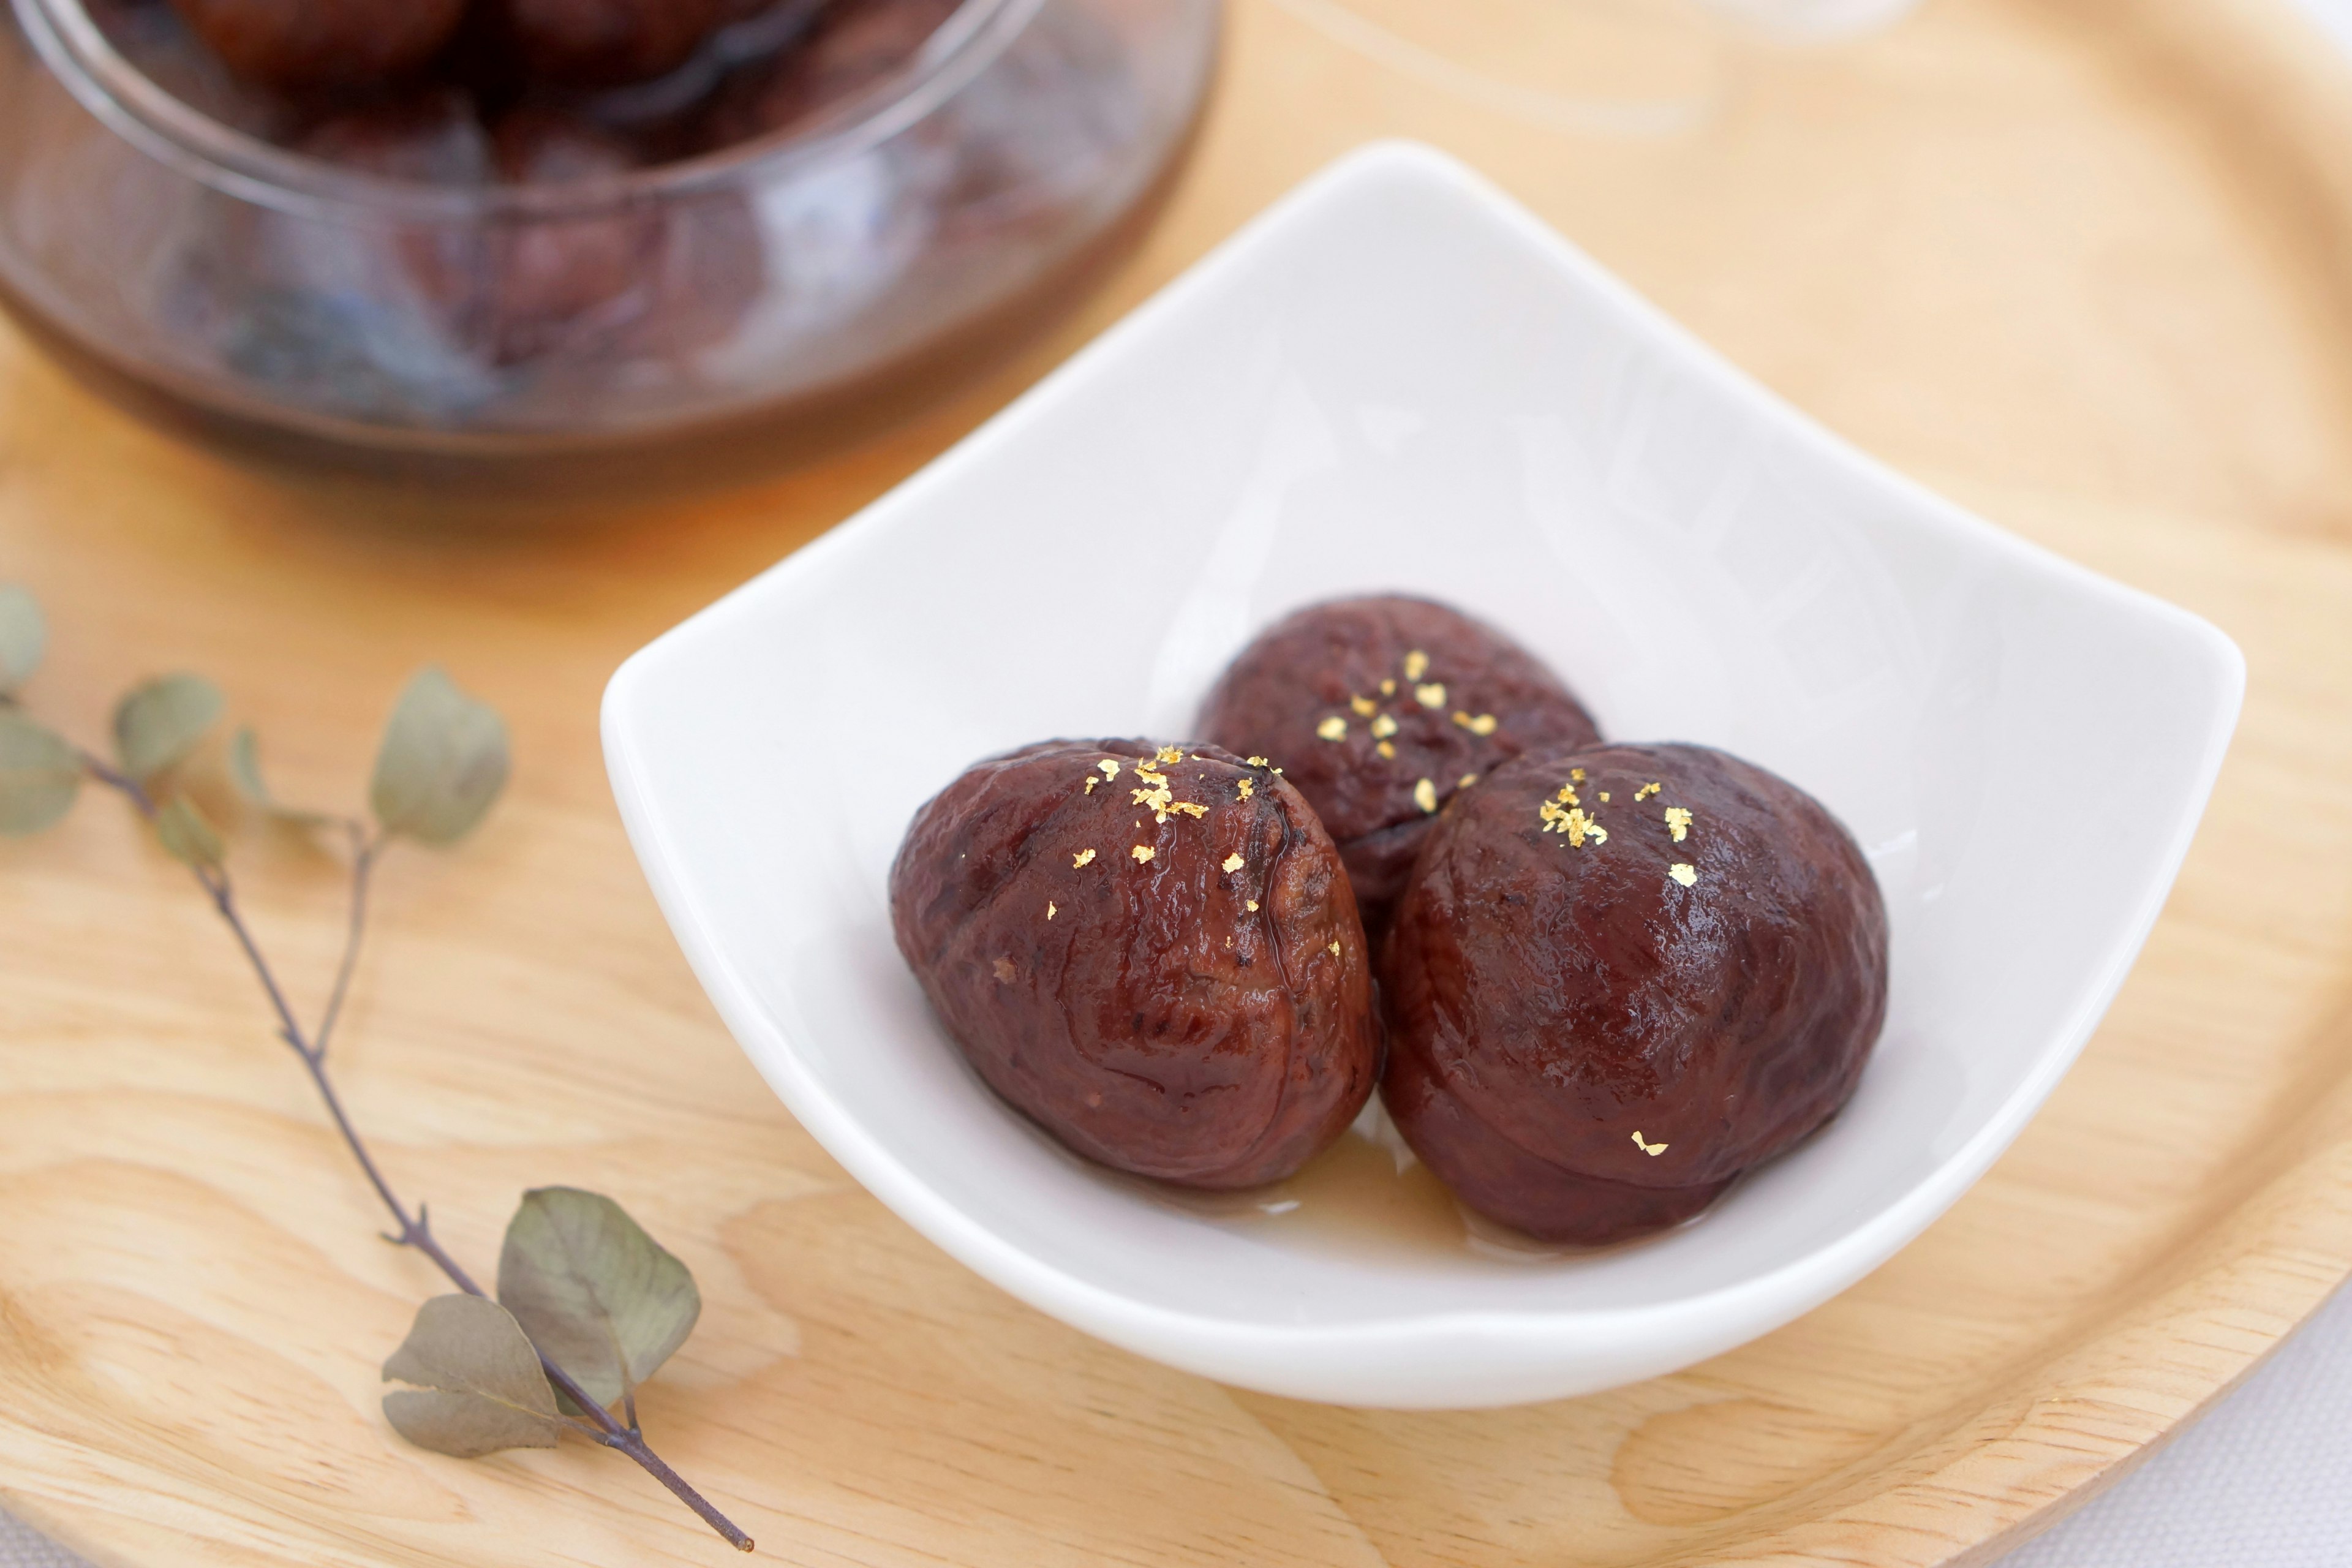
<point x="1049" y="909"/>
<point x="1142" y="853"/>
<point x="1333" y="728"/>
<point x="1683" y="871"/>
<point x="1646" y="791"/>
<point x="1170" y="754"/>
<point x="1091" y="781"/>
<point x="1574" y="822"/>
<point x="1483" y="724"/>
<point x="1432" y="695"/>
<point x="1425" y="796"/>
<point x="1604" y="797"/>
<point x="1678" y="819"/>
<point x="1255" y="761"/>
<point x="1244" y="786"/>
<point x="1233" y="861"/>
<point x="1250" y="904"/>
<point x="1082" y="858"/>
<point x="1465" y="781"/>
<point x="1387" y="688"/>
<point x="1362" y="705"/>
<point x="1334" y="949"/>
<point x="1110" y="769"/>
<point x="1189" y="808"/>
<point x="1383" y="727"/>
<point x="1416" y="665"/>
<point x="1652" y="1150"/>
<point x="1576" y="775"/>
<point x="1387" y="750"/>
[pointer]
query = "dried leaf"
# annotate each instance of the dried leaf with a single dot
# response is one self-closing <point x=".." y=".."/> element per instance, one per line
<point x="602" y="1297"/>
<point x="38" y="775"/>
<point x="24" y="634"/>
<point x="480" y="1386"/>
<point x="187" y="837"/>
<point x="244" y="771"/>
<point x="444" y="760"/>
<point x="161" y="722"/>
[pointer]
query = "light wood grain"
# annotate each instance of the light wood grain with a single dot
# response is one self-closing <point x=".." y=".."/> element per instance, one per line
<point x="2077" y="262"/>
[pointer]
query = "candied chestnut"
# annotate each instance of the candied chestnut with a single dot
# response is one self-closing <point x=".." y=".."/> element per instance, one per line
<point x="1151" y="951"/>
<point x="1377" y="710"/>
<point x="297" y="44"/>
<point x="606" y="42"/>
<point x="1622" y="975"/>
<point x="853" y="45"/>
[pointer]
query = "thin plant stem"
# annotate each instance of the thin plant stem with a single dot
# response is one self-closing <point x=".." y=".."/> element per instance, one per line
<point x="413" y="1230"/>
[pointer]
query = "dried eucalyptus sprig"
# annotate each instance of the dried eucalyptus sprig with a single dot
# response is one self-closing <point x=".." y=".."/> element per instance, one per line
<point x="588" y="1305"/>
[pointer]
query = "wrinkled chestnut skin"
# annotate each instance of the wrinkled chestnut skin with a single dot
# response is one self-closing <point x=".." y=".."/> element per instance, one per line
<point x="297" y="44"/>
<point x="1154" y="1022"/>
<point x="603" y="43"/>
<point x="1548" y="1001"/>
<point x="1304" y="670"/>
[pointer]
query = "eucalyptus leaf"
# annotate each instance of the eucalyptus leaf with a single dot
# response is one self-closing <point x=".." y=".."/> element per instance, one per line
<point x="602" y="1297"/>
<point x="186" y="835"/>
<point x="161" y="722"/>
<point x="480" y="1386"/>
<point x="245" y="773"/>
<point x="24" y="636"/>
<point x="443" y="761"/>
<point x="38" y="775"/>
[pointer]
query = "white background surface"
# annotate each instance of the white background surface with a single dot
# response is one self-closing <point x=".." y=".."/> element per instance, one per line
<point x="2258" y="1483"/>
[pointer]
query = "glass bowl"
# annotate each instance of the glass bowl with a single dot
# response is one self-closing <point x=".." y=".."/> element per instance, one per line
<point x="773" y="297"/>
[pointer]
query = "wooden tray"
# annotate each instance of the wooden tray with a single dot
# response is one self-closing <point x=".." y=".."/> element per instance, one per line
<point x="2077" y="263"/>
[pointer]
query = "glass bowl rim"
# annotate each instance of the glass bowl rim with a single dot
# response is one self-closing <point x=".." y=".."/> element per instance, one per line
<point x="239" y="164"/>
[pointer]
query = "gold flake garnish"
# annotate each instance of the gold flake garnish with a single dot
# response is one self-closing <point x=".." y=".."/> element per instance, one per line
<point x="1683" y="871"/>
<point x="1432" y="695"/>
<point x="1005" y="970"/>
<point x="1387" y="750"/>
<point x="1483" y="724"/>
<point x="1334" y="949"/>
<point x="1082" y="858"/>
<point x="1154" y="795"/>
<point x="1576" y="775"/>
<point x="1652" y="1150"/>
<point x="1646" y="791"/>
<point x="1567" y="795"/>
<point x="1233" y="861"/>
<point x="1049" y="909"/>
<point x="1383" y="727"/>
<point x="1387" y="688"/>
<point x="1189" y="808"/>
<point x="1465" y="781"/>
<point x="1250" y="904"/>
<point x="1416" y="665"/>
<point x="1425" y="796"/>
<point x="1363" y="706"/>
<point x="1091" y="781"/>
<point x="1255" y="761"/>
<point x="1142" y="853"/>
<point x="1678" y="819"/>
<point x="1244" y="786"/>
<point x="1170" y="754"/>
<point x="1110" y="769"/>
<point x="1333" y="728"/>
<point x="1574" y="822"/>
<point x="1604" y="797"/>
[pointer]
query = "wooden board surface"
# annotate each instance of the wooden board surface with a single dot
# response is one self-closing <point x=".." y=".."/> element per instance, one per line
<point x="2079" y="263"/>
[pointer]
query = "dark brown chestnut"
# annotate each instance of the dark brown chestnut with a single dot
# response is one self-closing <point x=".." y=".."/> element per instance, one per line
<point x="1151" y="951"/>
<point x="1621" y="976"/>
<point x="304" y="44"/>
<point x="1377" y="710"/>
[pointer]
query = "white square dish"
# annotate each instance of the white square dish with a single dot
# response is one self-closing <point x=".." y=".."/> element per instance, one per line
<point x="1397" y="380"/>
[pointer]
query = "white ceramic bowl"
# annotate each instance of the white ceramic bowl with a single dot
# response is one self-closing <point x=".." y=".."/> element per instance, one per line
<point x="1397" y="379"/>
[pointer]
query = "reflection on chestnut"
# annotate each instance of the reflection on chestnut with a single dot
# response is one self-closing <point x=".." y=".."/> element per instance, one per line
<point x="1377" y="710"/>
<point x="1152" y="951"/>
<point x="1621" y="976"/>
